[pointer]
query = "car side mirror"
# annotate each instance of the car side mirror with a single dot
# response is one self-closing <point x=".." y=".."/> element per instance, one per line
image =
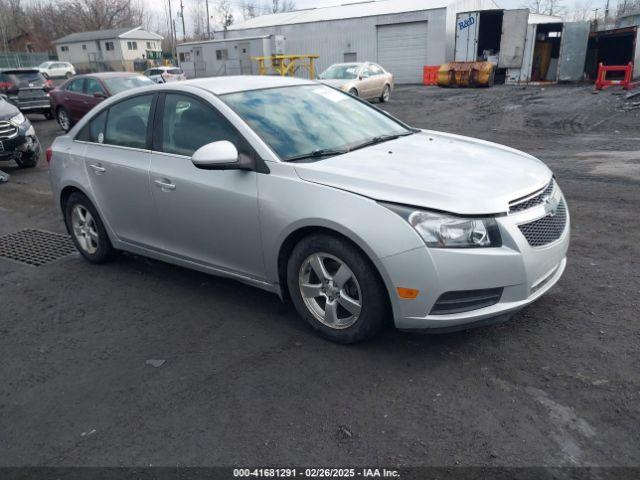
<point x="99" y="95"/>
<point x="222" y="155"/>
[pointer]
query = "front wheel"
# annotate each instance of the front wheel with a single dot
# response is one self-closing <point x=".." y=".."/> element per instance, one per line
<point x="336" y="289"/>
<point x="27" y="160"/>
<point x="68" y="75"/>
<point x="386" y="91"/>
<point x="353" y="92"/>
<point x="87" y="230"/>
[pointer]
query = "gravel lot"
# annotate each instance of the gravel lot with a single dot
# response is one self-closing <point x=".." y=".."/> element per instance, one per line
<point x="245" y="382"/>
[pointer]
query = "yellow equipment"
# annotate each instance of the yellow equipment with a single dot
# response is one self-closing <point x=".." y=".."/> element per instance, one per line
<point x="466" y="74"/>
<point x="286" y="64"/>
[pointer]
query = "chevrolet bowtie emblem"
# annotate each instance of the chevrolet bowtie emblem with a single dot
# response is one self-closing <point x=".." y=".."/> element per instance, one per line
<point x="550" y="205"/>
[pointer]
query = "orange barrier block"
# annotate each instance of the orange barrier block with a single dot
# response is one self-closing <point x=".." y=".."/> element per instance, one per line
<point x="430" y="75"/>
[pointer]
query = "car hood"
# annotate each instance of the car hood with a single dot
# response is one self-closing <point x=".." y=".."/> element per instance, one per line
<point x="434" y="170"/>
<point x="336" y="83"/>
<point x="7" y="110"/>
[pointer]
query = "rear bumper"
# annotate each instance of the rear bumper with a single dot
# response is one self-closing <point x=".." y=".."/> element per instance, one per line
<point x="524" y="273"/>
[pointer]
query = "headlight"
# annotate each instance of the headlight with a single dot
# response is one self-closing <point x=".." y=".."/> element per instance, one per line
<point x="449" y="231"/>
<point x="18" y="119"/>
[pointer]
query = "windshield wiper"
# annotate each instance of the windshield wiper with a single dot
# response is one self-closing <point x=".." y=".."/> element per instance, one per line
<point x="323" y="152"/>
<point x="380" y="139"/>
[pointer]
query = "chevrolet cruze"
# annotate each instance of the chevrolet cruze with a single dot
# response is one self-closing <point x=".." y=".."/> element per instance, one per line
<point x="308" y="192"/>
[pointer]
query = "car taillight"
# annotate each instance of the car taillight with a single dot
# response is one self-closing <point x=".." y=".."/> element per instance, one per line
<point x="49" y="154"/>
<point x="48" y="85"/>
<point x="6" y="86"/>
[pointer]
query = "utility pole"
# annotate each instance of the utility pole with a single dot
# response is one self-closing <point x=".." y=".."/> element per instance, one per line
<point x="209" y="25"/>
<point x="184" y="35"/>
<point x="172" y="35"/>
<point x="606" y="12"/>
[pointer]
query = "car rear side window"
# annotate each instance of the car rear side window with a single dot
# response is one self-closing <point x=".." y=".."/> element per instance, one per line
<point x="127" y="122"/>
<point x="94" y="130"/>
<point x="188" y="124"/>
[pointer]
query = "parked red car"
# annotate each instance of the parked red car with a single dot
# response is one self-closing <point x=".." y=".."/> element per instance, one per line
<point x="75" y="97"/>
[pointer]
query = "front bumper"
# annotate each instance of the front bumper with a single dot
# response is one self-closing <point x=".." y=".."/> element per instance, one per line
<point x="525" y="273"/>
<point x="21" y="144"/>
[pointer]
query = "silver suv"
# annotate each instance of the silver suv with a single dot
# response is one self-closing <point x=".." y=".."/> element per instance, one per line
<point x="308" y="192"/>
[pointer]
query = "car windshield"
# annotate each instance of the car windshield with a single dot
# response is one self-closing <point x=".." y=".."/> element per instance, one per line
<point x="24" y="79"/>
<point x="120" y="84"/>
<point x="312" y="120"/>
<point x="340" y="72"/>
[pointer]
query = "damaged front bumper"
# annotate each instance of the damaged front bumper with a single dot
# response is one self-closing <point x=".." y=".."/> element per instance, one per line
<point x="24" y="145"/>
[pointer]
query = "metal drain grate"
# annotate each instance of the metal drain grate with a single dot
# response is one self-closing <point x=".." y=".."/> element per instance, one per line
<point x="35" y="247"/>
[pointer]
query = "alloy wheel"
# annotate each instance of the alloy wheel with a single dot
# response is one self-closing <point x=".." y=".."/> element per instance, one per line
<point x="330" y="290"/>
<point x="385" y="93"/>
<point x="63" y="119"/>
<point x="84" y="229"/>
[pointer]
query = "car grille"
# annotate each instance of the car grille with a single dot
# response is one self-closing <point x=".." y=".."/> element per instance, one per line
<point x="547" y="229"/>
<point x="466" y="300"/>
<point x="7" y="130"/>
<point x="532" y="200"/>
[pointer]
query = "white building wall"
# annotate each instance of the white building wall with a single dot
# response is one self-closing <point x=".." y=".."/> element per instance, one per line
<point x="333" y="38"/>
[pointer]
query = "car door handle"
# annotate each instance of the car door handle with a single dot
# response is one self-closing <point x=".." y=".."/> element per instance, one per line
<point x="97" y="168"/>
<point x="165" y="185"/>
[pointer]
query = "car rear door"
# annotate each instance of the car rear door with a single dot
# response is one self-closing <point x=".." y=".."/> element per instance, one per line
<point x="117" y="159"/>
<point x="206" y="216"/>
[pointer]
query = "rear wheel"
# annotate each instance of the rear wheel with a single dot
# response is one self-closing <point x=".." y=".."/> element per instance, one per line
<point x="386" y="91"/>
<point x="64" y="120"/>
<point x="353" y="92"/>
<point x="68" y="75"/>
<point x="87" y="230"/>
<point x="336" y="289"/>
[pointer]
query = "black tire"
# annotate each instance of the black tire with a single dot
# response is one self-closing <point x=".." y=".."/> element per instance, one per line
<point x="374" y="297"/>
<point x="68" y="75"/>
<point x="28" y="161"/>
<point x="353" y="92"/>
<point x="60" y="117"/>
<point x="386" y="91"/>
<point x="105" y="251"/>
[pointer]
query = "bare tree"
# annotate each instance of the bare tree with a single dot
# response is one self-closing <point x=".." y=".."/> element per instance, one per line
<point x="627" y="6"/>
<point x="223" y="14"/>
<point x="199" y="19"/>
<point x="581" y="11"/>
<point x="249" y="9"/>
<point x="279" y="6"/>
<point x="546" y="7"/>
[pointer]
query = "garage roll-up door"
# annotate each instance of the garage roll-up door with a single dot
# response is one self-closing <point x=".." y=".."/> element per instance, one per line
<point x="402" y="50"/>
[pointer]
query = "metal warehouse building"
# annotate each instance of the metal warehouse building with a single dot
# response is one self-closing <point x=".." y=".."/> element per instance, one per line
<point x="401" y="35"/>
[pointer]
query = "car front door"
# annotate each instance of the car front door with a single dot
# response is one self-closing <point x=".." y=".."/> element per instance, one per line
<point x="117" y="158"/>
<point x="207" y="216"/>
<point x="93" y="93"/>
<point x="367" y="83"/>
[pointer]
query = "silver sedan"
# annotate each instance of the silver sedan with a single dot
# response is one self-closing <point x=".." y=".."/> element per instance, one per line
<point x="313" y="194"/>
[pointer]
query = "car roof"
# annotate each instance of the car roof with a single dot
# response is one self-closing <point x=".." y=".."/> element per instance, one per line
<point x="239" y="83"/>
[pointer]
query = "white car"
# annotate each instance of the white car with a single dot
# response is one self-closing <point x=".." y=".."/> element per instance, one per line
<point x="165" y="74"/>
<point x="57" y="69"/>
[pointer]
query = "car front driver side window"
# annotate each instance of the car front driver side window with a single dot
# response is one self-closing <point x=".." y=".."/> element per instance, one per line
<point x="189" y="124"/>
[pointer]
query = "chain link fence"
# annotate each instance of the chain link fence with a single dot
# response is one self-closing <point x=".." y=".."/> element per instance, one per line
<point x="23" y="60"/>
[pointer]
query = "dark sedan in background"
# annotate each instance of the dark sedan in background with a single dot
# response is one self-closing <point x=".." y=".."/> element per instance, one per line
<point x="27" y="89"/>
<point x="75" y="97"/>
